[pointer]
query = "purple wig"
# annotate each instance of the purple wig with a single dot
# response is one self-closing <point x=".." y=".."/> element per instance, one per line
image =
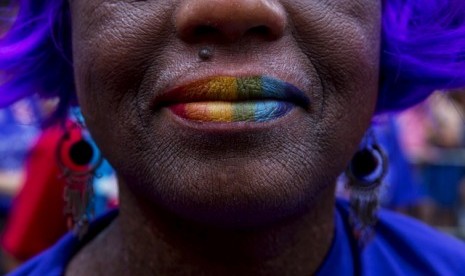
<point x="423" y="49"/>
<point x="35" y="55"/>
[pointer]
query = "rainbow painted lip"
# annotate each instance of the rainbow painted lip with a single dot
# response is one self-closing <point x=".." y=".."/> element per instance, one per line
<point x="234" y="99"/>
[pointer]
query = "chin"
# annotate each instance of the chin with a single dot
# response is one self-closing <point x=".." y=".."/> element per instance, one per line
<point x="235" y="197"/>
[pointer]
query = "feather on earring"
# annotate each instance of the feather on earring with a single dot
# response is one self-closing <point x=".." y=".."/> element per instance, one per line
<point x="365" y="173"/>
<point x="78" y="158"/>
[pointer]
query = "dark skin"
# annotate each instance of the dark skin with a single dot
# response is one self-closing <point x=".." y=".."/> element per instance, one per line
<point x="246" y="201"/>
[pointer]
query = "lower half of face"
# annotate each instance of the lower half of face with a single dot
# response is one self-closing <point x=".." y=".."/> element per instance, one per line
<point x="251" y="136"/>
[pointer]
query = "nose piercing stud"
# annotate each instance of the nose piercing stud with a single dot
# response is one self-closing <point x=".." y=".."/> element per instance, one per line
<point x="205" y="53"/>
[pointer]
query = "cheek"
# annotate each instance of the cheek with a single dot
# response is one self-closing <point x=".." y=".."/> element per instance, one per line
<point x="344" y="50"/>
<point x="113" y="48"/>
<point x="114" y="44"/>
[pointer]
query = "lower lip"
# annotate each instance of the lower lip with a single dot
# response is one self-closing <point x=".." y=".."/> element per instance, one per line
<point x="231" y="112"/>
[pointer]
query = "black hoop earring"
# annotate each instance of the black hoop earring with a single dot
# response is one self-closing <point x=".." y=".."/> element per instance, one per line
<point x="78" y="158"/>
<point x="365" y="173"/>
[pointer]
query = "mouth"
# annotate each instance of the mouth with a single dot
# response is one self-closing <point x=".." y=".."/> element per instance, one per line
<point x="229" y="99"/>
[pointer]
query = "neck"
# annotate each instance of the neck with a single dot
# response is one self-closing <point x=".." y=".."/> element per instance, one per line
<point x="155" y="243"/>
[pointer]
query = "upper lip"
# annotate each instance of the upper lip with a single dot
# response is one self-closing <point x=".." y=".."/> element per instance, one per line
<point x="205" y="90"/>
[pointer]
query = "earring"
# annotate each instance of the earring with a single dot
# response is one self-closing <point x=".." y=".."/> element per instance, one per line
<point x="365" y="173"/>
<point x="78" y="158"/>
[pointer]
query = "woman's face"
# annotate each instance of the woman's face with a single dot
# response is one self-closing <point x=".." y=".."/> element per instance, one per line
<point x="250" y="131"/>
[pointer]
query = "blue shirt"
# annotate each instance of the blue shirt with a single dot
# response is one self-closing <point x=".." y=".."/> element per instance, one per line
<point x="401" y="246"/>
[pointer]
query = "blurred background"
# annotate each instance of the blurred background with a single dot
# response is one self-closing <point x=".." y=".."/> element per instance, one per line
<point x="426" y="179"/>
<point x="32" y="185"/>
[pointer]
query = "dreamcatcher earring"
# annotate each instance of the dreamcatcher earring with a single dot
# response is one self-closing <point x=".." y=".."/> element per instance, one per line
<point x="78" y="159"/>
<point x="365" y="173"/>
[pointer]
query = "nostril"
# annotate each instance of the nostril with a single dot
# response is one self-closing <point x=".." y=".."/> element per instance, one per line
<point x="228" y="21"/>
<point x="205" y="31"/>
<point x="260" y="31"/>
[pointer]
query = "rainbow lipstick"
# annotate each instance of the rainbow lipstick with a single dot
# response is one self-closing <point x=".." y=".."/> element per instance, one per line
<point x="235" y="99"/>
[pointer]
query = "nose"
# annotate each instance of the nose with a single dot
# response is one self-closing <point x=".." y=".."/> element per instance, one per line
<point x="229" y="20"/>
